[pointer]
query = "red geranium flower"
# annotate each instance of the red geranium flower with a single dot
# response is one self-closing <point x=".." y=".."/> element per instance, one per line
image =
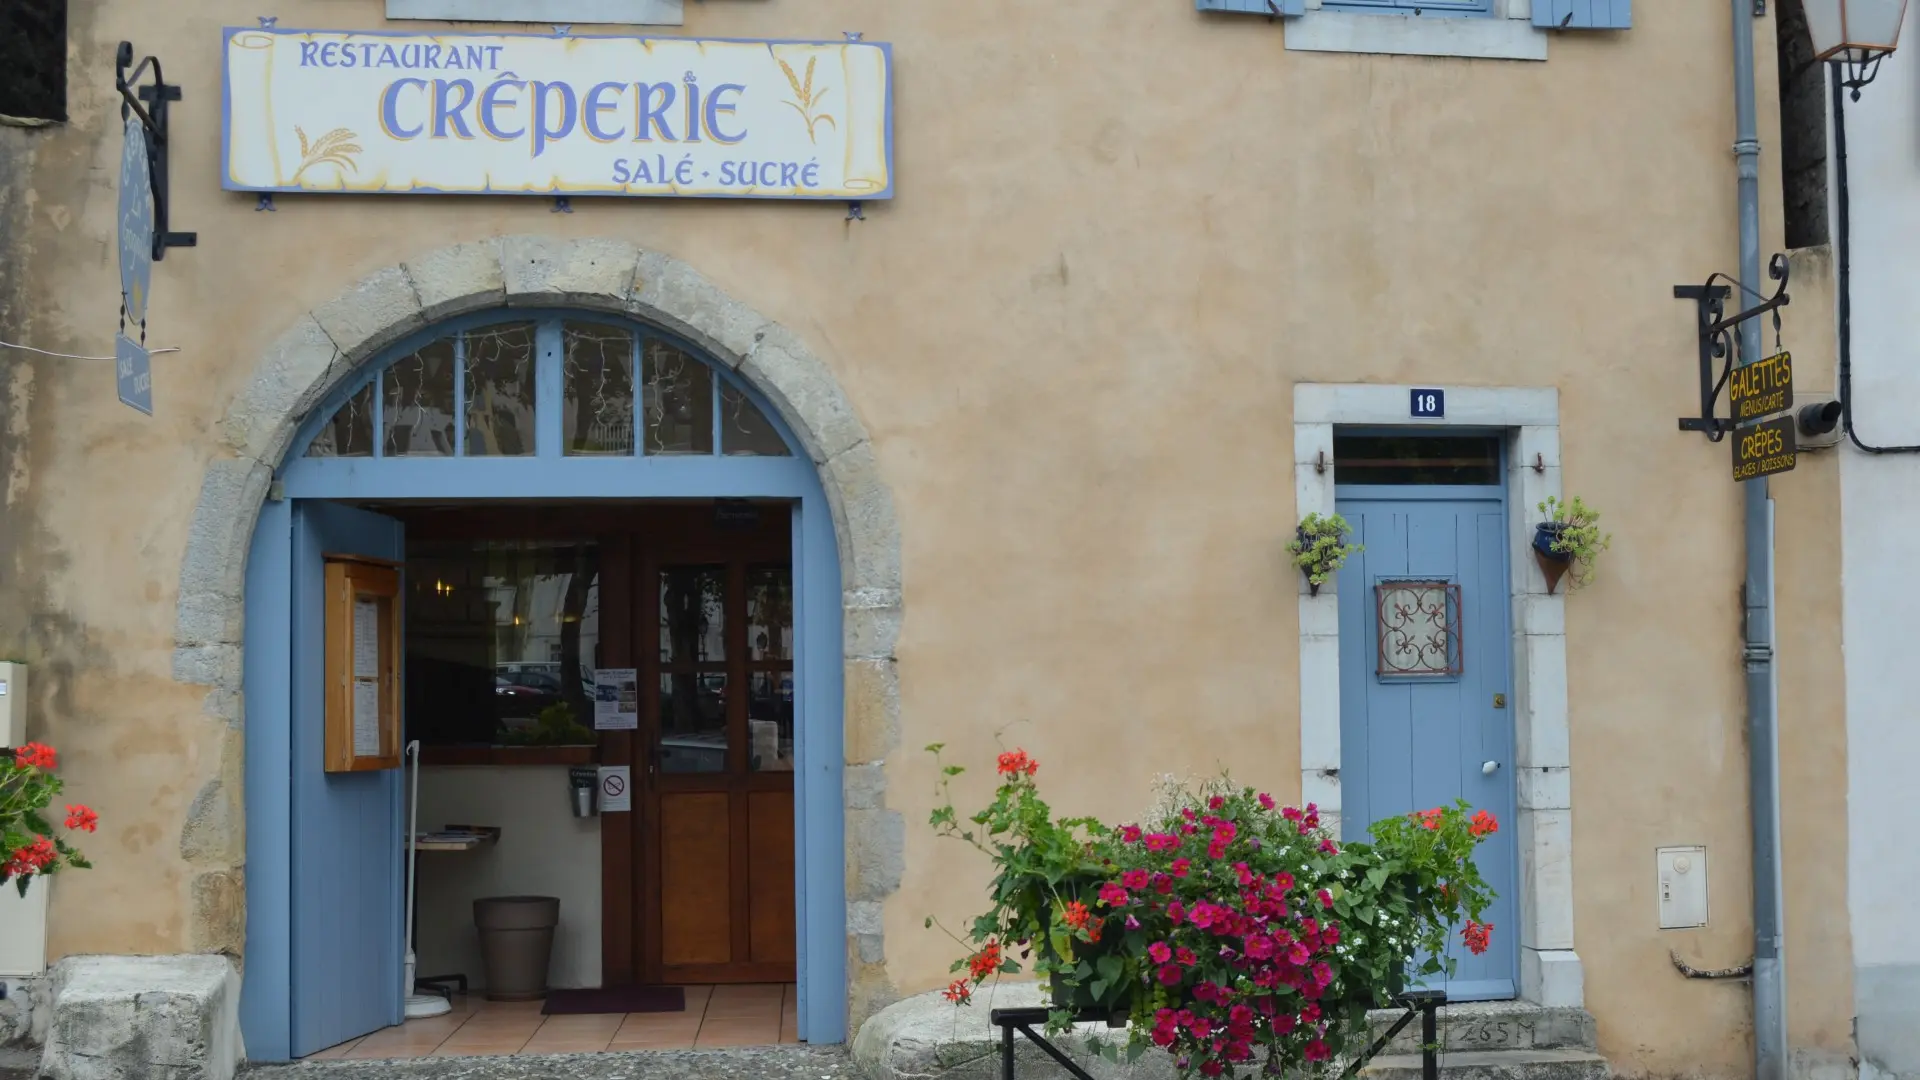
<point x="35" y="856"/>
<point x="81" y="818"/>
<point x="35" y="756"/>
<point x="1017" y="763"/>
<point x="985" y="962"/>
<point x="1077" y="914"/>
<point x="1477" y="936"/>
<point x="1484" y="824"/>
<point x="959" y="992"/>
<point x="1430" y="819"/>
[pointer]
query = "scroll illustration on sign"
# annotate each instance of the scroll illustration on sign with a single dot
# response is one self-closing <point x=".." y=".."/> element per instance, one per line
<point x="556" y="115"/>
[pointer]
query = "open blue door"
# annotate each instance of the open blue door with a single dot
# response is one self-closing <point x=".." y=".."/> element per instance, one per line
<point x="347" y="888"/>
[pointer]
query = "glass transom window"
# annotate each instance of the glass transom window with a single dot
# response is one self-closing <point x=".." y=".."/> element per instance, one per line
<point x="573" y="387"/>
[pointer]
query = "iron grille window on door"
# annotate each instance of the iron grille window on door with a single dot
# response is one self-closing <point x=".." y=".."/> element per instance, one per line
<point x="33" y="60"/>
<point x="1419" y="629"/>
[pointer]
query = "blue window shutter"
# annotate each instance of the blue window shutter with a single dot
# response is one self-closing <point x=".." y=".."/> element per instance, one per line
<point x="1583" y="14"/>
<point x="1254" y="7"/>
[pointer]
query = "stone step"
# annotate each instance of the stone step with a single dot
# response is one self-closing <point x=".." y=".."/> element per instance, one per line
<point x="1483" y="1026"/>
<point x="1495" y="1065"/>
<point x="743" y="1063"/>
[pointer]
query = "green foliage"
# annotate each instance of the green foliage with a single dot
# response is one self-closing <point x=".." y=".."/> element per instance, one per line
<point x="553" y="726"/>
<point x="29" y="846"/>
<point x="1576" y="535"/>
<point x="1319" y="549"/>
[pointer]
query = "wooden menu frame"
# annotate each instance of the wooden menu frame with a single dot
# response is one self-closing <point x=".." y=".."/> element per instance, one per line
<point x="362" y="674"/>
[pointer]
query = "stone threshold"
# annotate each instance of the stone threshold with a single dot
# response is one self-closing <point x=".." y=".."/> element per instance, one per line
<point x="744" y="1063"/>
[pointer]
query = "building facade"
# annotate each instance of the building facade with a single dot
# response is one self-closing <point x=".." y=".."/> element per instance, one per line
<point x="1878" y="477"/>
<point x="1023" y="436"/>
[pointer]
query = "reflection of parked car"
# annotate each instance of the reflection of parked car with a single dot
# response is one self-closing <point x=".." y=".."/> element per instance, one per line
<point x="507" y="688"/>
<point x="694" y="753"/>
<point x="535" y="680"/>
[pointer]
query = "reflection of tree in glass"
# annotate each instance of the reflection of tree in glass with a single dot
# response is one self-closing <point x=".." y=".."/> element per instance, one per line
<point x="580" y="586"/>
<point x="419" y="402"/>
<point x="678" y="392"/>
<point x="770" y="612"/>
<point x="598" y="378"/>
<point x="500" y="390"/>
<point x="692" y="630"/>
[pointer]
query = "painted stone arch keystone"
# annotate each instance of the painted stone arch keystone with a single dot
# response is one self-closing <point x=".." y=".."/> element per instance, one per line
<point x="327" y="344"/>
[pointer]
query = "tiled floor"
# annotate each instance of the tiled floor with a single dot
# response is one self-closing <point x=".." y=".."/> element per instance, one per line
<point x="760" y="1015"/>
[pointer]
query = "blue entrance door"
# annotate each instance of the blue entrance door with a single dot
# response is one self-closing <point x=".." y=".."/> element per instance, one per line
<point x="1424" y="684"/>
<point x="347" y="899"/>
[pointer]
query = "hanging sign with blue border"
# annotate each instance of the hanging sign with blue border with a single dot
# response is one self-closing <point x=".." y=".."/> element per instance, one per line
<point x="135" y="222"/>
<point x="547" y="114"/>
<point x="134" y="373"/>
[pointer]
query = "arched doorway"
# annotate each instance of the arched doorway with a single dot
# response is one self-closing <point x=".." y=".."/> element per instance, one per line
<point x="624" y="445"/>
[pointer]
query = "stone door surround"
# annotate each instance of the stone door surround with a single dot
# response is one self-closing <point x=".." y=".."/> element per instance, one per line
<point x="1550" y="971"/>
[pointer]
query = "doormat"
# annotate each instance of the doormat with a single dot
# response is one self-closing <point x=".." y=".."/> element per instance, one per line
<point x="616" y="999"/>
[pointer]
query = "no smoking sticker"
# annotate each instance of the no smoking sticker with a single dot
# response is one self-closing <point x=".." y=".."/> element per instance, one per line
<point x="616" y="789"/>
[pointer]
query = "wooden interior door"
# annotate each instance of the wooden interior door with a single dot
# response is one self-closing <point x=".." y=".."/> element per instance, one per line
<point x="715" y="760"/>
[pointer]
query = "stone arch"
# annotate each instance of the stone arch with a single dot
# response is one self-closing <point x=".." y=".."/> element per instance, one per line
<point x="326" y="345"/>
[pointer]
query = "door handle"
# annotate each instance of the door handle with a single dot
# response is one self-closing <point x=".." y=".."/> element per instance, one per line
<point x="1488" y="768"/>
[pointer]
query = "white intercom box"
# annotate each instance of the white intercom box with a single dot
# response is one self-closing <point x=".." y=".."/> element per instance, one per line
<point x="13" y="704"/>
<point x="23" y="921"/>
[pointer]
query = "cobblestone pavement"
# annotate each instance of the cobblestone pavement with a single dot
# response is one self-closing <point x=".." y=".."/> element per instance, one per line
<point x="755" y="1063"/>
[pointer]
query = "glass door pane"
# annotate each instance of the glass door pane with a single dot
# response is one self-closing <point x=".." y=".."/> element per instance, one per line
<point x="692" y="688"/>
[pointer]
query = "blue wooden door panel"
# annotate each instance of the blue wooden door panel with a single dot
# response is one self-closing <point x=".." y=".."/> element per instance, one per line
<point x="347" y="940"/>
<point x="1408" y="743"/>
<point x="265" y="1014"/>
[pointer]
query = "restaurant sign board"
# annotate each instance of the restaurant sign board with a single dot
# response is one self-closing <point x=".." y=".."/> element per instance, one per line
<point x="545" y="114"/>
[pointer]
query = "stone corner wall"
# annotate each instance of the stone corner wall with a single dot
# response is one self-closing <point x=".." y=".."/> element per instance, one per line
<point x="23" y="1013"/>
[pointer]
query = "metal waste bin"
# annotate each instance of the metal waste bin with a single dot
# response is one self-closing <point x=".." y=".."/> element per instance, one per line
<point x="516" y="944"/>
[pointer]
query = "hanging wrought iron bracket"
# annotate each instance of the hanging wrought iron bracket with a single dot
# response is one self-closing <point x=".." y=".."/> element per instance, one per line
<point x="1026" y="1020"/>
<point x="1424" y="1004"/>
<point x="1717" y="344"/>
<point x="149" y="103"/>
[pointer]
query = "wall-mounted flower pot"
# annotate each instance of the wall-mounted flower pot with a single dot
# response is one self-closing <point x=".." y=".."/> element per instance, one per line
<point x="1553" y="564"/>
<point x="1313" y="587"/>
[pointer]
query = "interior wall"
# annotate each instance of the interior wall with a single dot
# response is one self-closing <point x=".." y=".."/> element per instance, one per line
<point x="543" y="851"/>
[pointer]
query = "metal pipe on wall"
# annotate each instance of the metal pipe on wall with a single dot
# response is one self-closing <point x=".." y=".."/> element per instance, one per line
<point x="1769" y="959"/>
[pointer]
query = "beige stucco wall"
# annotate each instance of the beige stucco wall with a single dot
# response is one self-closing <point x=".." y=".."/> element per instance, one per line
<point x="1123" y="233"/>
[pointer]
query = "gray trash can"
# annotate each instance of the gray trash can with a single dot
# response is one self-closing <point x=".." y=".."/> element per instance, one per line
<point x="516" y="944"/>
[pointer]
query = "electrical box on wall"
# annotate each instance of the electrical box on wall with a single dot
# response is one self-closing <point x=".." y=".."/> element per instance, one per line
<point x="1683" y="887"/>
<point x="23" y="929"/>
<point x="13" y="704"/>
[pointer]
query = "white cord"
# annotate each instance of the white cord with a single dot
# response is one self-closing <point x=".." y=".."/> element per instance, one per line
<point x="71" y="356"/>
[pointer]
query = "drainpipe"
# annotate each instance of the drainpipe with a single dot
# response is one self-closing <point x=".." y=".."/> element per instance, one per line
<point x="1769" y="961"/>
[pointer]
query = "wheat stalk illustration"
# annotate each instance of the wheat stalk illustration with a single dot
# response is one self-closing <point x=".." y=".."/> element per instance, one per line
<point x="807" y="99"/>
<point x="336" y="147"/>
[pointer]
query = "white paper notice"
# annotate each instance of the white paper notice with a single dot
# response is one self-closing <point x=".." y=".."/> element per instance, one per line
<point x="366" y="717"/>
<point x="616" y="789"/>
<point x="616" y="699"/>
<point x="366" y="638"/>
